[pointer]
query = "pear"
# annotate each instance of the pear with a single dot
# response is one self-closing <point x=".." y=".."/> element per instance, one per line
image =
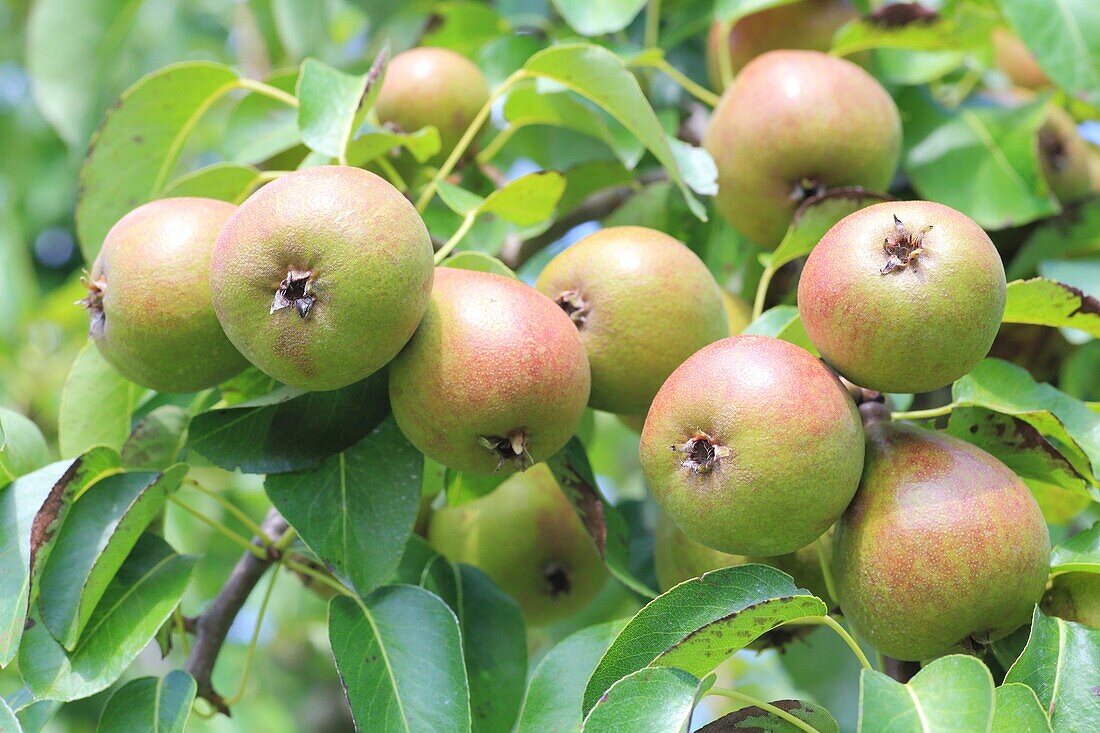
<point x="527" y="537"/>
<point x="1074" y="597"/>
<point x="942" y="549"/>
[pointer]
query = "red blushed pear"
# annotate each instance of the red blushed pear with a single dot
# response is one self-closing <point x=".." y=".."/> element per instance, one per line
<point x="432" y="86"/>
<point x="807" y="24"/>
<point x="942" y="549"/>
<point x="149" y="297"/>
<point x="642" y="302"/>
<point x="903" y="296"/>
<point x="495" y="379"/>
<point x="753" y="447"/>
<point x="1017" y="61"/>
<point x="322" y="276"/>
<point x="792" y="124"/>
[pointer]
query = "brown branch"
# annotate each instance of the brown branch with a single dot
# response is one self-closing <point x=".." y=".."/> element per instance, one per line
<point x="597" y="206"/>
<point x="212" y="625"/>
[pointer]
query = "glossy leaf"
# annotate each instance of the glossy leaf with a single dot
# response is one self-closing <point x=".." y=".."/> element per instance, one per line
<point x="952" y="693"/>
<point x="782" y="322"/>
<point x="156" y="440"/>
<point x="525" y="201"/>
<point x="332" y="105"/>
<point x="600" y="76"/>
<point x="260" y="127"/>
<point x="1018" y="711"/>
<point x="135" y="150"/>
<point x="137" y="602"/>
<point x="150" y="705"/>
<point x="232" y="182"/>
<point x="603" y="522"/>
<point x="651" y="699"/>
<point x="22" y="446"/>
<point x="1051" y="303"/>
<point x="960" y="29"/>
<point x="814" y="218"/>
<point x="733" y="10"/>
<point x="287" y="430"/>
<point x="463" y="26"/>
<point x="700" y="623"/>
<point x="494" y="642"/>
<point x="8" y="722"/>
<point x="357" y="509"/>
<point x="1065" y="38"/>
<point x="96" y="405"/>
<point x="97" y="535"/>
<point x="400" y="660"/>
<point x="1061" y="238"/>
<point x="1059" y="663"/>
<point x="371" y="142"/>
<point x="981" y="160"/>
<point x="479" y="261"/>
<point x="597" y="18"/>
<point x="556" y="691"/>
<point x="302" y="25"/>
<point x="1079" y="553"/>
<point x="759" y="720"/>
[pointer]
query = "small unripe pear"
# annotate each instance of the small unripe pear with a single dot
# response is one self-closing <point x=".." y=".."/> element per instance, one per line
<point x="1064" y="157"/>
<point x="322" y="276"/>
<point x="495" y="378"/>
<point x="149" y="297"/>
<point x="642" y="303"/>
<point x="527" y="537"/>
<point x="806" y="24"/>
<point x="1017" y="61"/>
<point x="753" y="447"/>
<point x="903" y="296"/>
<point x="792" y="124"/>
<point x="942" y="548"/>
<point x="432" y="86"/>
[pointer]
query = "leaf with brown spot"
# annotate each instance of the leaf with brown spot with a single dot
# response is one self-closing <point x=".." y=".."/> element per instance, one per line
<point x="756" y="720"/>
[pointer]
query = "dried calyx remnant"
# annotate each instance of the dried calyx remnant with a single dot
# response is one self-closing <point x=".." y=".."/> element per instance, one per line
<point x="93" y="301"/>
<point x="902" y="245"/>
<point x="511" y="447"/>
<point x="574" y="305"/>
<point x="701" y="452"/>
<point x="296" y="290"/>
<point x="806" y="188"/>
<point x="557" y="579"/>
<point x="1053" y="147"/>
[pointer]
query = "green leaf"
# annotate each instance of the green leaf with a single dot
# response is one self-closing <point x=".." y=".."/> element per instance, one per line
<point x="288" y="430"/>
<point x="701" y="622"/>
<point x="99" y="532"/>
<point x="1059" y="663"/>
<point x="600" y="76"/>
<point x="260" y="127"/>
<point x="22" y="446"/>
<point x="302" y="25"/>
<point x="603" y="522"/>
<point x="357" y="509"/>
<point x="759" y="720"/>
<point x="733" y="10"/>
<point x="150" y="705"/>
<point x="372" y="142"/>
<point x="418" y="555"/>
<point x="332" y="104"/>
<point x="556" y="691"/>
<point x="1061" y="490"/>
<point x="35" y="716"/>
<point x="135" y="150"/>
<point x="137" y="602"/>
<point x="525" y="201"/>
<point x="231" y="182"/>
<point x="70" y="49"/>
<point x="782" y="322"/>
<point x="960" y="28"/>
<point x="1010" y="390"/>
<point x="1051" y="303"/>
<point x="1018" y="711"/>
<point x="1079" y="553"/>
<point x="8" y="722"/>
<point x="156" y="440"/>
<point x="400" y="660"/>
<point x="981" y="160"/>
<point x="814" y="218"/>
<point x="96" y="405"/>
<point x="952" y="693"/>
<point x="494" y="642"/>
<point x="651" y="699"/>
<point x="597" y="18"/>
<point x="1065" y="38"/>
<point x="463" y="27"/>
<point x="478" y="261"/>
<point x="1060" y="238"/>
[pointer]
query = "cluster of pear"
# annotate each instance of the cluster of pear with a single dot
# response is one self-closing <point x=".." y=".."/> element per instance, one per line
<point x="751" y="445"/>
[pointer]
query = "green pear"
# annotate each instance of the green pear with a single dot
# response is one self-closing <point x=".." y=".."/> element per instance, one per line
<point x="942" y="548"/>
<point x="149" y="297"/>
<point x="322" y="276"/>
<point x="753" y="447"/>
<point x="1074" y="597"/>
<point x="432" y="86"/>
<point x="527" y="537"/>
<point x="792" y="124"/>
<point x="805" y="24"/>
<point x="642" y="303"/>
<point x="1064" y="157"/>
<point x="495" y="378"/>
<point x="903" y="296"/>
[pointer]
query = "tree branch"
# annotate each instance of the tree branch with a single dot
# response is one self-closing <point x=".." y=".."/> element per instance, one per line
<point x="212" y="625"/>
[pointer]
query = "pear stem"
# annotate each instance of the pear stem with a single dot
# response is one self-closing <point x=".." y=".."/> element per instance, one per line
<point x="766" y="706"/>
<point x="652" y="23"/>
<point x="456" y="237"/>
<point x="725" y="61"/>
<point x="833" y="624"/>
<point x="826" y="571"/>
<point x="928" y="414"/>
<point x="704" y="95"/>
<point x="762" y="291"/>
<point x="268" y="91"/>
